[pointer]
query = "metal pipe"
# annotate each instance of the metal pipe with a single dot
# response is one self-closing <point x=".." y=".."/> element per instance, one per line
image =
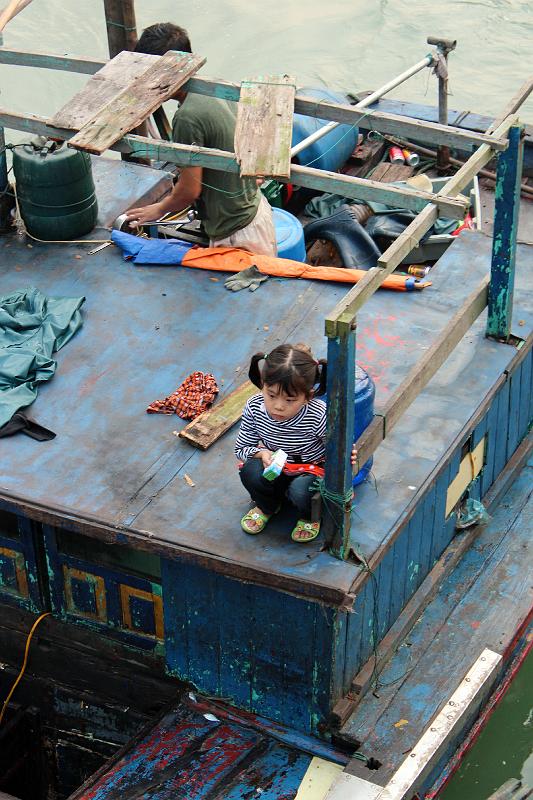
<point x="3" y="161"/>
<point x="444" y="46"/>
<point x="426" y="62"/>
<point x="5" y="204"/>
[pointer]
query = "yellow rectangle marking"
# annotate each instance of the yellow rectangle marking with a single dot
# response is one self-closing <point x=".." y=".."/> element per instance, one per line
<point x="469" y="469"/>
<point x="317" y="780"/>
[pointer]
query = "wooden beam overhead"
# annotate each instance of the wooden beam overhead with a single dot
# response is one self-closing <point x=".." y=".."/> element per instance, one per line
<point x="189" y="155"/>
<point x="429" y="132"/>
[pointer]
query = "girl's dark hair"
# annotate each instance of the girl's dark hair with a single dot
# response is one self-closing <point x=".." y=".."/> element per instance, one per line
<point x="292" y="368"/>
<point x="158" y="39"/>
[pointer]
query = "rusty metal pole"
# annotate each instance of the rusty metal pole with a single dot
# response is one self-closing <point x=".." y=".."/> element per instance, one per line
<point x="6" y="200"/>
<point x="121" y="25"/>
<point x="444" y="46"/>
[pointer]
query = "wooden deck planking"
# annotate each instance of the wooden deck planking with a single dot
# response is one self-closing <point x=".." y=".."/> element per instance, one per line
<point x="136" y="102"/>
<point x="482" y="604"/>
<point x="101" y="88"/>
<point x="263" y="133"/>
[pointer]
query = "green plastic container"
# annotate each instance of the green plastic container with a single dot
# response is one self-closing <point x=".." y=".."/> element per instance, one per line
<point x="55" y="190"/>
<point x="272" y="191"/>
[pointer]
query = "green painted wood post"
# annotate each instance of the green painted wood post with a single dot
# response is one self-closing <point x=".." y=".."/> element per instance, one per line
<point x="506" y="210"/>
<point x="336" y="519"/>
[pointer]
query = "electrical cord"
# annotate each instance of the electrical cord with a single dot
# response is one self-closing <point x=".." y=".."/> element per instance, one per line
<point x="24" y="663"/>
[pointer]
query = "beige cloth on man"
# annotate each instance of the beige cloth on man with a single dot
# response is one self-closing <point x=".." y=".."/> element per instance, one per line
<point x="259" y="236"/>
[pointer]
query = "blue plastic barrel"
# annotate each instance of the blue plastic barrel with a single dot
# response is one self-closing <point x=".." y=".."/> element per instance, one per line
<point x="289" y="235"/>
<point x="332" y="150"/>
<point x="365" y="392"/>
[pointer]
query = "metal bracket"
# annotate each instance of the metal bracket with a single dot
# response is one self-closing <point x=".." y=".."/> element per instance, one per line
<point x="444" y="45"/>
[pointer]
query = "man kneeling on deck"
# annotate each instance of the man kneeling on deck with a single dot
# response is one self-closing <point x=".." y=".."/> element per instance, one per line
<point x="233" y="210"/>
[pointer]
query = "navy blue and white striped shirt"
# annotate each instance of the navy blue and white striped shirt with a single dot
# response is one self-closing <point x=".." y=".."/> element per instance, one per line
<point x="302" y="437"/>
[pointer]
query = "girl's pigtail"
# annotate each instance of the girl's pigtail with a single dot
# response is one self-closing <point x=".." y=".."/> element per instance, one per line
<point x="254" y="373"/>
<point x="322" y="376"/>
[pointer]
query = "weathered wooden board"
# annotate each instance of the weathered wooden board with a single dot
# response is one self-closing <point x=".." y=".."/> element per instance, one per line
<point x="211" y="425"/>
<point x="389" y="173"/>
<point x="263" y="134"/>
<point x="103" y="87"/>
<point x="137" y="101"/>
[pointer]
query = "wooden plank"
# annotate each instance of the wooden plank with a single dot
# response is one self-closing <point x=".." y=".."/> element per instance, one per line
<point x="524" y="418"/>
<point x="512" y="789"/>
<point x="369" y="189"/>
<point x="515" y="396"/>
<point x="206" y="429"/>
<point x="336" y="521"/>
<point x="430" y="132"/>
<point x="137" y="101"/>
<point x="190" y="155"/>
<point x="420" y="375"/>
<point x="103" y="87"/>
<point x="263" y="133"/>
<point x="388" y="173"/>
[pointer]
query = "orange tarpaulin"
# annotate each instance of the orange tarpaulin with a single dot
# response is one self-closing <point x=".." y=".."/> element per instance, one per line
<point x="232" y="259"/>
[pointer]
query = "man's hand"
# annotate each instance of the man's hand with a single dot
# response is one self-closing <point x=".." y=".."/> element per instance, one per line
<point x="353" y="458"/>
<point x="184" y="193"/>
<point x="144" y="214"/>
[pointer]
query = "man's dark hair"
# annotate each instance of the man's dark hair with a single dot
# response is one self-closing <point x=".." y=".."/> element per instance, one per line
<point x="158" y="39"/>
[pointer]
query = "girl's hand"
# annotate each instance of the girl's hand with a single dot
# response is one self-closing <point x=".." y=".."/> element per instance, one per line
<point x="266" y="457"/>
<point x="353" y="458"/>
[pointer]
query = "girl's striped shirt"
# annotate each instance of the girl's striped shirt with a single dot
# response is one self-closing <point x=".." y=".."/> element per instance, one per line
<point x="302" y="437"/>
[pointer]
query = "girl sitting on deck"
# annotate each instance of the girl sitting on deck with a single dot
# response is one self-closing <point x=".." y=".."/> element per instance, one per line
<point x="286" y="416"/>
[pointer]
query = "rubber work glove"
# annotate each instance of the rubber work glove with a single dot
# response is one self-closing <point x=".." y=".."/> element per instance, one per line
<point x="249" y="278"/>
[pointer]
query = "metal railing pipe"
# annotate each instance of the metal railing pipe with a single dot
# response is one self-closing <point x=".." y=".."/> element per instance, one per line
<point x="387" y="87"/>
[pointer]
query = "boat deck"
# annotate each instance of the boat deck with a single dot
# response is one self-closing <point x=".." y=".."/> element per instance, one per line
<point x="146" y="328"/>
<point x="486" y="602"/>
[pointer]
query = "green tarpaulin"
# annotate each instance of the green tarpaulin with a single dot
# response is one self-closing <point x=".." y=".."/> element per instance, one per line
<point x="32" y="328"/>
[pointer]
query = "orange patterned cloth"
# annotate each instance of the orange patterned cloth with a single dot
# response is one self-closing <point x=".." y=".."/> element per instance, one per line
<point x="195" y="395"/>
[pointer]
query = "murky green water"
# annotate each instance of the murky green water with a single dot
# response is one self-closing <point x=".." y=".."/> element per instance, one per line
<point x="343" y="45"/>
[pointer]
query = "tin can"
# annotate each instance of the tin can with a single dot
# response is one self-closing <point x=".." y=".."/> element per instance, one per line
<point x="396" y="156"/>
<point x="413" y="159"/>
<point x="417" y="271"/>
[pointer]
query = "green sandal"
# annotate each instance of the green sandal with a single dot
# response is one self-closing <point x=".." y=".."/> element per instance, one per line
<point x="255" y="515"/>
<point x="308" y="531"/>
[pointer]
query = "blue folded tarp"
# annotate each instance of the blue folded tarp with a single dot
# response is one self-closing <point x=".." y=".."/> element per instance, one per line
<point x="150" y="251"/>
